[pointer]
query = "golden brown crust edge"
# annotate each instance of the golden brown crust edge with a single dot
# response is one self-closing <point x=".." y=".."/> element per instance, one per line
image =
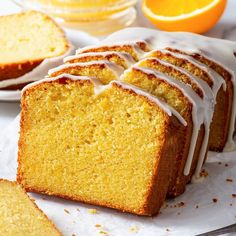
<point x="14" y="183"/>
<point x="163" y="171"/>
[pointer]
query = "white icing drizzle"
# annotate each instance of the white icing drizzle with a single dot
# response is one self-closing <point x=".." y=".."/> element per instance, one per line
<point x="209" y="101"/>
<point x="125" y="56"/>
<point x="217" y="79"/>
<point x="200" y="114"/>
<point x="114" y="68"/>
<point x="94" y="80"/>
<point x="218" y="82"/>
<point x="99" y="88"/>
<point x="138" y="51"/>
<point x="218" y="50"/>
<point x="163" y="105"/>
<point x="39" y="71"/>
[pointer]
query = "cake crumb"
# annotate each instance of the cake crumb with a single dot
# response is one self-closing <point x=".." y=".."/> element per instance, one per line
<point x="167" y="230"/>
<point x="231" y="204"/>
<point x="215" y="200"/>
<point x="178" y="213"/>
<point x="219" y="163"/>
<point x="78" y="209"/>
<point x="66" y="211"/>
<point x="134" y="229"/>
<point x="203" y="173"/>
<point x="180" y="204"/>
<point x="73" y="235"/>
<point x="229" y="180"/>
<point x="234" y="195"/>
<point x="197" y="207"/>
<point x="226" y="165"/>
<point x="98" y="226"/>
<point x="92" y="211"/>
<point x="103" y="232"/>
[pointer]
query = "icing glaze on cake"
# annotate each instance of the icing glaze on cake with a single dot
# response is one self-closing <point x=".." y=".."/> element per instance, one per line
<point x="99" y="88"/>
<point x="216" y="50"/>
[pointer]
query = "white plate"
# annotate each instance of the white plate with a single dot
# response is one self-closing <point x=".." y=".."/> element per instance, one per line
<point x="77" y="38"/>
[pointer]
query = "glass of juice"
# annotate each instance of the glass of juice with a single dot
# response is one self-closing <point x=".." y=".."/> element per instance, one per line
<point x="97" y="17"/>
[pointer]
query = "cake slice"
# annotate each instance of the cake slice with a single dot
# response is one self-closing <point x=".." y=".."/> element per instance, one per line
<point x="136" y="49"/>
<point x="224" y="112"/>
<point x="223" y="96"/>
<point x="120" y="58"/>
<point x="110" y="145"/>
<point x="27" y="39"/>
<point x="183" y="99"/>
<point x="105" y="71"/>
<point x="20" y="215"/>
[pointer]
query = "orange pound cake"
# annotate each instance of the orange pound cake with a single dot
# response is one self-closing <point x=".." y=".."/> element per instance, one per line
<point x="110" y="145"/>
<point x="31" y="43"/>
<point x="107" y="110"/>
<point x="20" y="215"/>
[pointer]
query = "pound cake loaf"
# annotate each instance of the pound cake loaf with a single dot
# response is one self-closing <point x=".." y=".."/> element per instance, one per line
<point x="115" y="144"/>
<point x="193" y="76"/>
<point x="20" y="215"/>
<point x="31" y="43"/>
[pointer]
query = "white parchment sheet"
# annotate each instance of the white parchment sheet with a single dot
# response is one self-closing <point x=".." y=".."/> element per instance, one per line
<point x="198" y="214"/>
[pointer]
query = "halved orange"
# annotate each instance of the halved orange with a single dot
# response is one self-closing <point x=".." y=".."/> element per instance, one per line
<point x="197" y="16"/>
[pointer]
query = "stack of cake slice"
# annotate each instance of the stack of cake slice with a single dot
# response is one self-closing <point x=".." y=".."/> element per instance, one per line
<point x="128" y="122"/>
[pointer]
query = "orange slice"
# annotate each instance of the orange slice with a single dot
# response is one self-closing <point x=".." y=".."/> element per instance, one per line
<point x="197" y="16"/>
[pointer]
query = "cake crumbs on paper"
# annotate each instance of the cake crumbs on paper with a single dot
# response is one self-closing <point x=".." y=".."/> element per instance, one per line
<point x="165" y="205"/>
<point x="98" y="226"/>
<point x="134" y="229"/>
<point x="180" y="204"/>
<point x="66" y="211"/>
<point x="103" y="233"/>
<point x="234" y="195"/>
<point x="215" y="200"/>
<point x="92" y="211"/>
<point x="229" y="180"/>
<point x="203" y="173"/>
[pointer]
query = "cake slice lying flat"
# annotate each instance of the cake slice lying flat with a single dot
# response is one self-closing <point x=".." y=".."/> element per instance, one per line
<point x="19" y="214"/>
<point x="27" y="39"/>
<point x="111" y="145"/>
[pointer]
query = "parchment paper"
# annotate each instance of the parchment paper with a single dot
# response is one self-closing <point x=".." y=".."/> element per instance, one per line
<point x="198" y="214"/>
